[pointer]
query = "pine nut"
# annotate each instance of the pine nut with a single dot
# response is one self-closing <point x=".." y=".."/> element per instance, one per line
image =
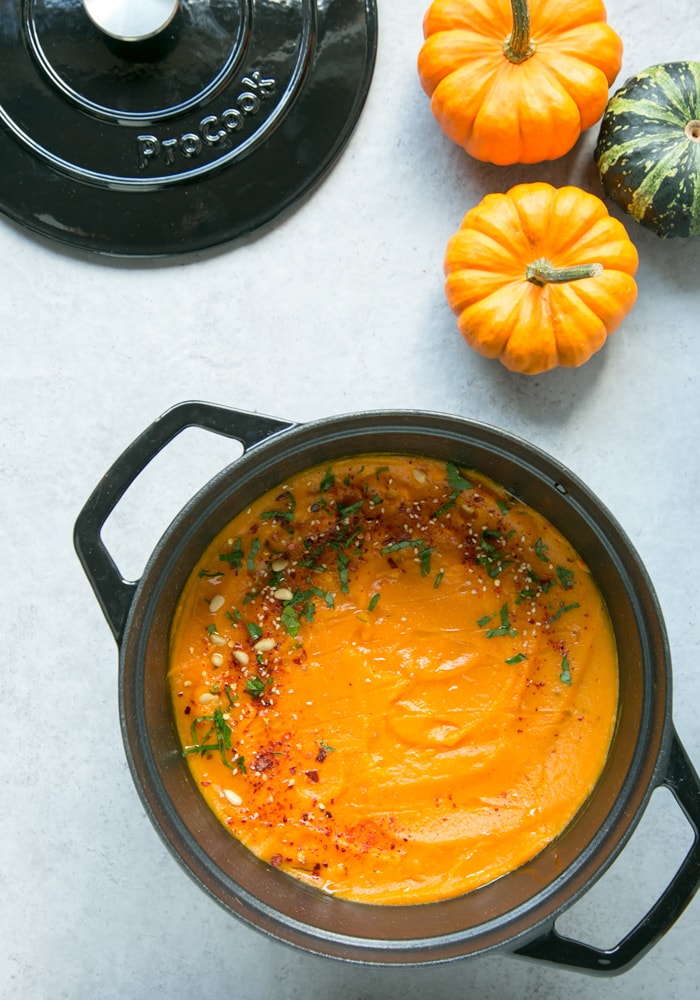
<point x="207" y="698"/>
<point x="233" y="797"/>
<point x="216" y="659"/>
<point x="277" y="565"/>
<point x="218" y="640"/>
<point x="216" y="603"/>
<point x="264" y="645"/>
<point x="241" y="656"/>
<point x="283" y="594"/>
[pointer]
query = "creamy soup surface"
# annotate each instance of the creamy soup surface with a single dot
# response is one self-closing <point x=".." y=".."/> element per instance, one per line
<point x="392" y="679"/>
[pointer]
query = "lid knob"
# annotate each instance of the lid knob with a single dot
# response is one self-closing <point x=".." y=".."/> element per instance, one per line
<point x="131" y="20"/>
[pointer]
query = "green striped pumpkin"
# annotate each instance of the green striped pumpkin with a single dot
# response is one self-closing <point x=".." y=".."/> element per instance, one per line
<point x="648" y="148"/>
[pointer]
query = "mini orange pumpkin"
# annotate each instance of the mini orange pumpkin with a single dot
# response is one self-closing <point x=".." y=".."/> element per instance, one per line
<point x="540" y="276"/>
<point x="513" y="83"/>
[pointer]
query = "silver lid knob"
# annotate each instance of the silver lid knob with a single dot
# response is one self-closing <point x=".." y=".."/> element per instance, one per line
<point x="131" y="20"/>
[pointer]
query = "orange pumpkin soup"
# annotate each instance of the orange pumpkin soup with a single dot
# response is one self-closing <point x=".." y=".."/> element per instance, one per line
<point x="392" y="679"/>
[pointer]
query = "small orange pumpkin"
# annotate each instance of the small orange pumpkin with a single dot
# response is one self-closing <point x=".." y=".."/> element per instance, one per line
<point x="540" y="276"/>
<point x="513" y="83"/>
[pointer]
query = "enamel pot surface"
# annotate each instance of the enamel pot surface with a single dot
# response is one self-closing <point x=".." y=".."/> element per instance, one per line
<point x="514" y="914"/>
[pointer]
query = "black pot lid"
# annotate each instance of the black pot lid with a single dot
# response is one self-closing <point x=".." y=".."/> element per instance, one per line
<point x="178" y="139"/>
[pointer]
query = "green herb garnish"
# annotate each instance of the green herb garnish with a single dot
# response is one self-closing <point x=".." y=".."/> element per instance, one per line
<point x="352" y="508"/>
<point x="562" y="610"/>
<point x="343" y="563"/>
<point x="289" y="620"/>
<point x="566" y="577"/>
<point x="281" y="515"/>
<point x="518" y="658"/>
<point x="235" y="556"/>
<point x="505" y="626"/>
<point x="218" y="727"/>
<point x="255" y="686"/>
<point x="541" y="550"/>
<point x="565" y="675"/>
<point x="254" y="549"/>
<point x="455" y="480"/>
<point x="373" y="602"/>
<point x="254" y="630"/>
<point x="327" y="481"/>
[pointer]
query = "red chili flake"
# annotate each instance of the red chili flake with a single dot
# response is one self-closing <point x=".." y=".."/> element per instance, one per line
<point x="322" y="754"/>
<point x="276" y="860"/>
<point x="263" y="761"/>
<point x="312" y="776"/>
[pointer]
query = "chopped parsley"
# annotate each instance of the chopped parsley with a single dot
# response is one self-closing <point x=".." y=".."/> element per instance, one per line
<point x="327" y="481"/>
<point x="505" y="628"/>
<point x="565" y="675"/>
<point x="254" y="549"/>
<point x="255" y="686"/>
<point x="518" y="658"/>
<point x="541" y="550"/>
<point x="562" y="610"/>
<point x="235" y="556"/>
<point x="281" y="515"/>
<point x="565" y="577"/>
<point x="219" y="729"/>
<point x="455" y="480"/>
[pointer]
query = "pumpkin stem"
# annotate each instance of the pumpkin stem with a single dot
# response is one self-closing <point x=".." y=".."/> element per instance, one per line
<point x="541" y="272"/>
<point x="518" y="46"/>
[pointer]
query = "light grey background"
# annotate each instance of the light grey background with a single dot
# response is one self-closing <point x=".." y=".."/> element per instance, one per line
<point x="337" y="307"/>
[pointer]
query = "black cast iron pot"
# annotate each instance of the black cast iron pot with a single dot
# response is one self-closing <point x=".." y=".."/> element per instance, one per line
<point x="516" y="913"/>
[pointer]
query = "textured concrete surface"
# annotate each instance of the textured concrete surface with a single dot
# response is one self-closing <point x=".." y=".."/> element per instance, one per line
<point x="336" y="307"/>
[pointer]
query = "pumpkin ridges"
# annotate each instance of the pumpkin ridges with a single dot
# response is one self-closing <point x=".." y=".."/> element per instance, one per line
<point x="510" y="128"/>
<point x="503" y="314"/>
<point x="579" y="79"/>
<point x="547" y="16"/>
<point x="613" y="296"/>
<point x="453" y="52"/>
<point x="488" y="323"/>
<point x="489" y="236"/>
<point x="468" y="285"/>
<point x="523" y="352"/>
<point x="527" y="113"/>
<point x="459" y="126"/>
<point x="614" y="254"/>
<point x="476" y="250"/>
<point x="578" y="330"/>
<point x="534" y="204"/>
<point x="444" y="15"/>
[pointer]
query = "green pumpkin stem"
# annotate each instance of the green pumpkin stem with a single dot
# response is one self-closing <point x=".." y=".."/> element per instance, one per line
<point x="541" y="272"/>
<point x="518" y="46"/>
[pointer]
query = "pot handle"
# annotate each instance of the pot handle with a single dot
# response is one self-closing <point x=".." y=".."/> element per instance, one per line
<point x="682" y="780"/>
<point x="113" y="592"/>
